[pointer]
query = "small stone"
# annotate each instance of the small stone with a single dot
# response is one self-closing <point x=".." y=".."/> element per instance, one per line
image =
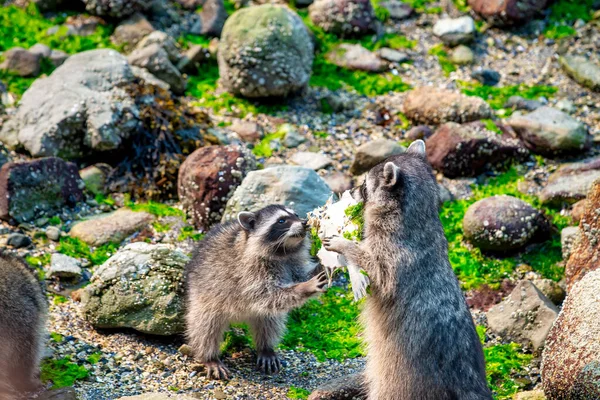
<point x="552" y="290"/>
<point x="462" y="55"/>
<point x="582" y="70"/>
<point x="18" y="240"/>
<point x="372" y="153"/>
<point x="486" y="76"/>
<point x="418" y="132"/>
<point x="393" y="55"/>
<point x="186" y="350"/>
<point x="571" y="182"/>
<point x="41" y="49"/>
<point x="519" y="103"/>
<point x="111" y="227"/>
<point x="347" y="387"/>
<point x="530" y="395"/>
<point x="338" y="182"/>
<point x="58" y="57"/>
<point x="315" y="161"/>
<point x="292" y="137"/>
<point x="397" y="9"/>
<point x="95" y="177"/>
<point x="131" y="31"/>
<point x="344" y="17"/>
<point x="455" y="31"/>
<point x="22" y="62"/>
<point x="156" y="60"/>
<point x="568" y="237"/>
<point x="53" y="233"/>
<point x="355" y="57"/>
<point x="248" y="131"/>
<point x="64" y="267"/>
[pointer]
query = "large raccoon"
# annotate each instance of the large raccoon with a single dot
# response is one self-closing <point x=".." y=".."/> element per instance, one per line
<point x="422" y="343"/>
<point x="252" y="270"/>
<point x="23" y="311"/>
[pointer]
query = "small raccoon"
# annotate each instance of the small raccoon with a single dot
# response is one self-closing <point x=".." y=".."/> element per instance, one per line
<point x="422" y="343"/>
<point x="23" y="311"/>
<point x="252" y="270"/>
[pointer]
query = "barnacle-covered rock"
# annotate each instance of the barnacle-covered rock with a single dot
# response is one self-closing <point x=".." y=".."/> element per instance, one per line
<point x="116" y="8"/>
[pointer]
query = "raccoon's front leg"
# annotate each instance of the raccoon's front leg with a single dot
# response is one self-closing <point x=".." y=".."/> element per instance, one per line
<point x="267" y="332"/>
<point x="345" y="247"/>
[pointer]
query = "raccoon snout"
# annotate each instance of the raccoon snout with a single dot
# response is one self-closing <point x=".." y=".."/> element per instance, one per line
<point x="304" y="222"/>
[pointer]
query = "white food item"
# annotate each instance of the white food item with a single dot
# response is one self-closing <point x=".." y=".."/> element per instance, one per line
<point x="331" y="220"/>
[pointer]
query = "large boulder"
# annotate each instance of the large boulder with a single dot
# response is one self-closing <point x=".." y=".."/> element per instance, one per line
<point x="372" y="153"/>
<point x="585" y="253"/>
<point x="116" y="8"/>
<point x="208" y="178"/>
<point x="344" y="17"/>
<point x="155" y="59"/>
<point x="82" y="107"/>
<point x="110" y="228"/>
<point x="571" y="182"/>
<point x="525" y="316"/>
<point x="582" y="70"/>
<point x="298" y="188"/>
<point x="432" y="106"/>
<point x="471" y="149"/>
<point x="140" y="287"/>
<point x="571" y="358"/>
<point x="549" y="131"/>
<point x="21" y="62"/>
<point x="504" y="223"/>
<point x="265" y="51"/>
<point x="508" y="12"/>
<point x="39" y="188"/>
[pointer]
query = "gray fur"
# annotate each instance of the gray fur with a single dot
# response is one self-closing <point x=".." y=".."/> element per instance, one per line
<point x="251" y="270"/>
<point x="23" y="311"/>
<point x="422" y="343"/>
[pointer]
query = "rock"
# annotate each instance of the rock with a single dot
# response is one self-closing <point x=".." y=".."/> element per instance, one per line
<point x="116" y="8"/>
<point x="41" y="49"/>
<point x="81" y="107"/>
<point x="186" y="350"/>
<point x="578" y="210"/>
<point x="486" y="76"/>
<point x="156" y="61"/>
<point x="343" y="17"/>
<point x="508" y="12"/>
<point x="355" y="57"/>
<point x="248" y="131"/>
<point x="462" y="55"/>
<point x="519" y="103"/>
<point x="292" y="137"/>
<point x="571" y="358"/>
<point x="149" y="79"/>
<point x="53" y="233"/>
<point x="566" y="105"/>
<point x="21" y="62"/>
<point x="504" y="223"/>
<point x="432" y="106"/>
<point x="525" y="316"/>
<point x="208" y="178"/>
<point x="158" y="396"/>
<point x="568" y="237"/>
<point x="83" y="25"/>
<point x="372" y="153"/>
<point x="111" y="227"/>
<point x="548" y="131"/>
<point x="392" y="55"/>
<point x="471" y="149"/>
<point x="582" y="70"/>
<point x="65" y="393"/>
<point x="193" y="58"/>
<point x="307" y="159"/>
<point x="58" y="57"/>
<point x="39" y="188"/>
<point x="571" y="182"/>
<point x="298" y="188"/>
<point x="418" y="132"/>
<point x="337" y="102"/>
<point x="191" y="4"/>
<point x="551" y="290"/>
<point x="338" y="182"/>
<point x="131" y="31"/>
<point x="18" y="240"/>
<point x="346" y="387"/>
<point x="213" y="17"/>
<point x="140" y="287"/>
<point x="455" y="31"/>
<point x="65" y="267"/>
<point x="164" y="41"/>
<point x="530" y="395"/>
<point x="397" y="9"/>
<point x="265" y="51"/>
<point x="95" y="177"/>
<point x="585" y="254"/>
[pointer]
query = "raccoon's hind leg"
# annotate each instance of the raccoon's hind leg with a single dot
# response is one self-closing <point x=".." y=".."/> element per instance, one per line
<point x="205" y="334"/>
<point x="24" y="363"/>
<point x="267" y="332"/>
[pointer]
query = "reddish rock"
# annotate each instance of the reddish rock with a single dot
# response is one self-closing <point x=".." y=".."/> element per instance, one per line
<point x="248" y="131"/>
<point x="471" y="149"/>
<point x="39" y="188"/>
<point x="508" y="12"/>
<point x="585" y="254"/>
<point x="208" y="178"/>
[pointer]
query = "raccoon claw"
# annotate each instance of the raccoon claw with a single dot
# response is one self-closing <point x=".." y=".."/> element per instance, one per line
<point x="334" y="243"/>
<point x="216" y="370"/>
<point x="268" y="363"/>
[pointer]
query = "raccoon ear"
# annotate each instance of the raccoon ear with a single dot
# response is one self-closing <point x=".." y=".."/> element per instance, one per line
<point x="391" y="174"/>
<point x="247" y="220"/>
<point x="417" y="147"/>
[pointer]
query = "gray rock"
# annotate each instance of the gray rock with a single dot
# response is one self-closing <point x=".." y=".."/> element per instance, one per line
<point x="552" y="290"/>
<point x="571" y="357"/>
<point x="65" y="267"/>
<point x="307" y="159"/>
<point x="372" y="153"/>
<point x="110" y="228"/>
<point x="566" y="105"/>
<point x="158" y="396"/>
<point x="418" y="132"/>
<point x="455" y="31"/>
<point x="18" y="240"/>
<point x="65" y="393"/>
<point x="193" y="58"/>
<point x="568" y="237"/>
<point x="486" y="76"/>
<point x="81" y="108"/>
<point x="519" y="103"/>
<point x="131" y="31"/>
<point x="504" y="223"/>
<point x="355" y="57"/>
<point x="248" y="131"/>
<point x="549" y="131"/>
<point x="41" y="49"/>
<point x="95" y="177"/>
<point x="156" y="60"/>
<point x="392" y="55"/>
<point x="298" y="188"/>
<point x="116" y="8"/>
<point x="21" y="62"/>
<point x="148" y="78"/>
<point x="397" y="9"/>
<point x="140" y="287"/>
<point x="293" y="138"/>
<point x="164" y="41"/>
<point x="582" y="70"/>
<point x="571" y="182"/>
<point x="53" y="233"/>
<point x="525" y="316"/>
<point x="265" y="51"/>
<point x="462" y="55"/>
<point x="344" y="17"/>
<point x="213" y="17"/>
<point x="58" y="57"/>
<point x="347" y="387"/>
<point x="338" y="182"/>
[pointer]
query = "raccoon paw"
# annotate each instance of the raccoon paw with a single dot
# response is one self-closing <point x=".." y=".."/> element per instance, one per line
<point x="335" y="243"/>
<point x="216" y="370"/>
<point x="268" y="362"/>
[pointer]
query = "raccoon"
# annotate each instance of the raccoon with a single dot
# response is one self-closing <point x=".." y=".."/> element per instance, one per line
<point x="23" y="311"/>
<point x="422" y="343"/>
<point x="252" y="270"/>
